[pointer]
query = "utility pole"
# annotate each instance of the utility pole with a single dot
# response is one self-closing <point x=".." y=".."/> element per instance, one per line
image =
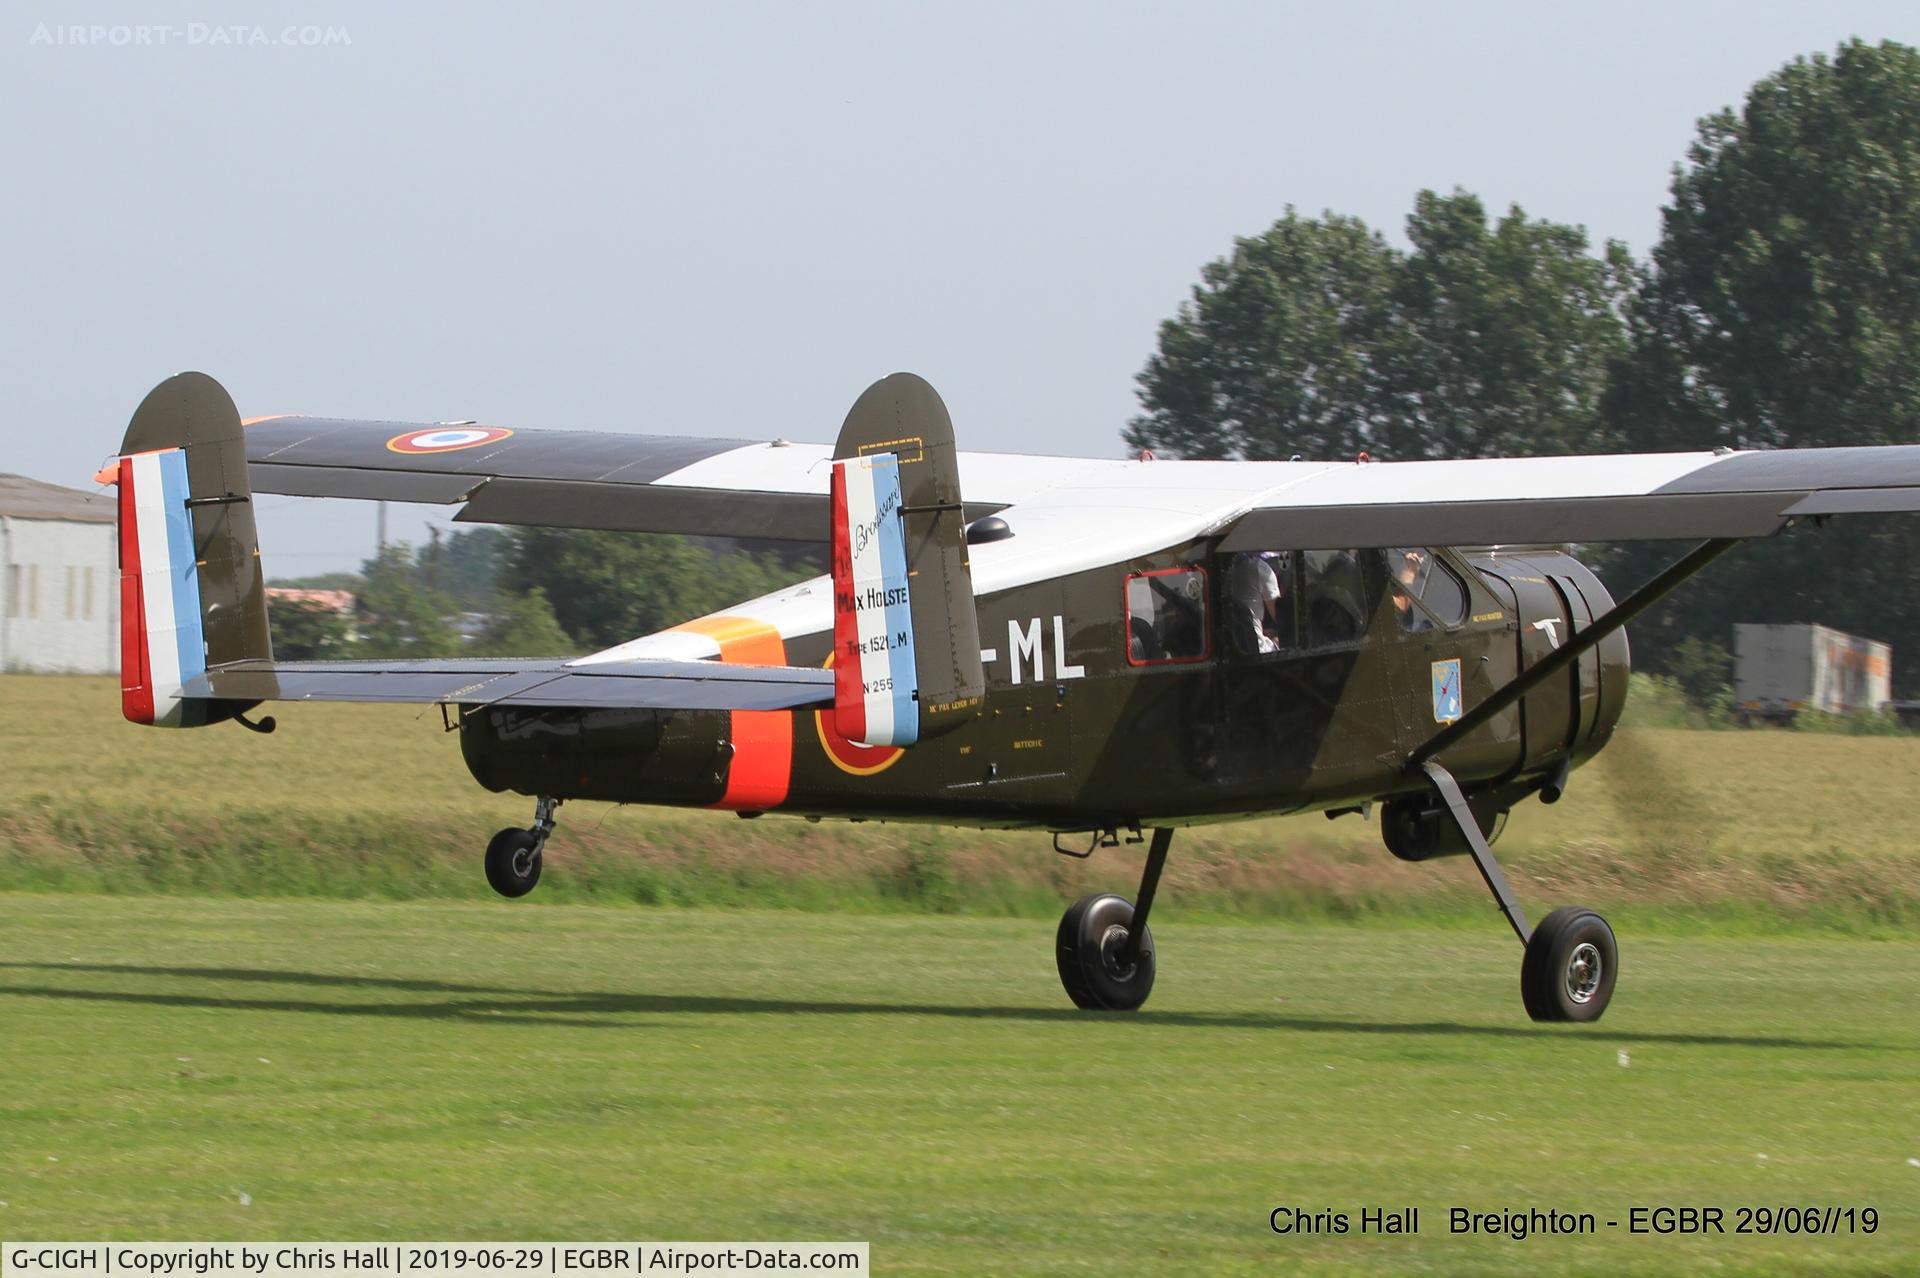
<point x="380" y="537"/>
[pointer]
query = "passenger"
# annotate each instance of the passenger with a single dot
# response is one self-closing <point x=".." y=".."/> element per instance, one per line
<point x="1333" y="594"/>
<point x="1255" y="591"/>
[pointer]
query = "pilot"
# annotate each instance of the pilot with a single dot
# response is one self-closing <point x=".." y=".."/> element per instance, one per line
<point x="1407" y="571"/>
<point x="1254" y="589"/>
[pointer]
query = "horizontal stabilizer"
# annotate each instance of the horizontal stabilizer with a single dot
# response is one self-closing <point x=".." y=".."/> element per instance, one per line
<point x="628" y="685"/>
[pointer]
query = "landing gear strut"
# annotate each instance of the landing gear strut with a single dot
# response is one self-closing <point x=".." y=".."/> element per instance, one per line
<point x="1103" y="947"/>
<point x="513" y="855"/>
<point x="1571" y="959"/>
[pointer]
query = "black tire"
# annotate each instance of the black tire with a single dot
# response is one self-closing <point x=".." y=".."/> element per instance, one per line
<point x="513" y="862"/>
<point x="1090" y="936"/>
<point x="1570" y="967"/>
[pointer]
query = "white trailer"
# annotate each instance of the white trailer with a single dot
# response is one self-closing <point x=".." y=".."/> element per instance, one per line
<point x="1779" y="671"/>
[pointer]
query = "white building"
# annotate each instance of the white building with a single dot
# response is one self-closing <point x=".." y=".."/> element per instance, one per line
<point x="59" y="579"/>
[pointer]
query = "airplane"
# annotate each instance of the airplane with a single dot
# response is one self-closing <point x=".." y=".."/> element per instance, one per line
<point x="1100" y="649"/>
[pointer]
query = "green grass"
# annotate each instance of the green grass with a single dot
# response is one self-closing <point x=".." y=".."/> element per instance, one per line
<point x="1754" y="831"/>
<point x="453" y="1070"/>
<point x="889" y="1057"/>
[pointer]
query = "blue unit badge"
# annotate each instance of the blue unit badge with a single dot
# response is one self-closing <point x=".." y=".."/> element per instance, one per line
<point x="1446" y="690"/>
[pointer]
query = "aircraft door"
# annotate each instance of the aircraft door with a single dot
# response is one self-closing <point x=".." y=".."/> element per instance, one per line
<point x="1025" y="741"/>
<point x="1146" y="734"/>
<point x="1305" y="700"/>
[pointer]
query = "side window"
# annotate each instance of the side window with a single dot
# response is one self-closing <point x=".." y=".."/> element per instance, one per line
<point x="1256" y="606"/>
<point x="1426" y="594"/>
<point x="1333" y="596"/>
<point x="1167" y="616"/>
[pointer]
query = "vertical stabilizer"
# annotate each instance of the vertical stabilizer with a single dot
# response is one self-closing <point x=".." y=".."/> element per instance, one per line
<point x="906" y="636"/>
<point x="192" y="594"/>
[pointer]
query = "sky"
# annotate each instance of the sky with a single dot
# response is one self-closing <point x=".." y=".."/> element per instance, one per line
<point x="729" y="218"/>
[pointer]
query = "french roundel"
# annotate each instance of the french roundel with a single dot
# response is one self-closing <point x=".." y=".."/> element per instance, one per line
<point x="850" y="756"/>
<point x="446" y="439"/>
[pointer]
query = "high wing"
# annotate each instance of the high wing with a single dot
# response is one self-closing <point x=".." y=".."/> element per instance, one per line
<point x="649" y="685"/>
<point x="596" y="479"/>
<point x="1630" y="497"/>
<point x="778" y="489"/>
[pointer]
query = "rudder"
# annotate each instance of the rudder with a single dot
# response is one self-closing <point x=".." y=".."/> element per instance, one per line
<point x="192" y="593"/>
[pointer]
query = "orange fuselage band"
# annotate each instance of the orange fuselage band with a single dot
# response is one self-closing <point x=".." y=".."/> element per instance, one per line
<point x="762" y="767"/>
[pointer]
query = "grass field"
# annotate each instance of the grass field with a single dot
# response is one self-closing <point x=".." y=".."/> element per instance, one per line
<point x="249" y="1069"/>
<point x="198" y="1044"/>
<point x="1750" y="830"/>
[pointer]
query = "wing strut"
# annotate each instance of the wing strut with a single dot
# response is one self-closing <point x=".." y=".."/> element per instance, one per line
<point x="1576" y="646"/>
<point x="1477" y="844"/>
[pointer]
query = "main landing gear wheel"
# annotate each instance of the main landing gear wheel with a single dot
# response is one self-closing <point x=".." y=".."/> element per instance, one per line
<point x="1091" y="947"/>
<point x="513" y="862"/>
<point x="1571" y="964"/>
<point x="1104" y="948"/>
<point x="513" y="855"/>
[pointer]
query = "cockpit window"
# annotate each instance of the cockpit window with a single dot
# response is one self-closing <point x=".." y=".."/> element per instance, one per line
<point x="1167" y="616"/>
<point x="1426" y="593"/>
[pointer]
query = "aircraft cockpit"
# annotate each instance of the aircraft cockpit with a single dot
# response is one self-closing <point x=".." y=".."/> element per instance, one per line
<point x="1251" y="605"/>
<point x="1279" y="601"/>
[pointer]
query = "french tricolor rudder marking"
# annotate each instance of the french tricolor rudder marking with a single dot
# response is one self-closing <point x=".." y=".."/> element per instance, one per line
<point x="875" y="682"/>
<point x="162" y="639"/>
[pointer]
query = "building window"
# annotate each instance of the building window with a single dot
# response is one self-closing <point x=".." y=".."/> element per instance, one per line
<point x="33" y="591"/>
<point x="13" y="590"/>
<point x="86" y="596"/>
<point x="73" y="593"/>
<point x="1167" y="616"/>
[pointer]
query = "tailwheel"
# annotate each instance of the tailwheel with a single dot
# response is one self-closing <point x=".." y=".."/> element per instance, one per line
<point x="1570" y="966"/>
<point x="513" y="862"/>
<point x="1100" y="970"/>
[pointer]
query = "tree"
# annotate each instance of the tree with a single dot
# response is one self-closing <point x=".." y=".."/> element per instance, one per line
<point x="1506" y="336"/>
<point x="608" y="587"/>
<point x="1319" y="338"/>
<point x="1275" y="352"/>
<point x="348" y="581"/>
<point x="1782" y="285"/>
<point x="303" y="630"/>
<point x="400" y="616"/>
<point x="467" y="566"/>
<point x="1780" y="311"/>
<point x="524" y="626"/>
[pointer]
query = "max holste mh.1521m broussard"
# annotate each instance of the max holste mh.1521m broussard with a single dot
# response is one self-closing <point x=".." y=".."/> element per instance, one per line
<point x="1103" y="649"/>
